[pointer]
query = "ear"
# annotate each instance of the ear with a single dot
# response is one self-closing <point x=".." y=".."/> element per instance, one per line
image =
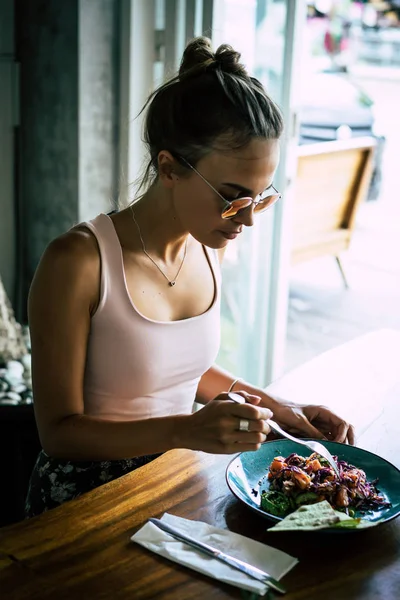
<point x="167" y="169"/>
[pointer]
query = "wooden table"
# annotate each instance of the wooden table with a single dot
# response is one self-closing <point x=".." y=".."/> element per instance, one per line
<point x="83" y="549"/>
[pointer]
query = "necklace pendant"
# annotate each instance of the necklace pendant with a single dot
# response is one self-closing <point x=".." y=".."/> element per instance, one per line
<point x="170" y="283"/>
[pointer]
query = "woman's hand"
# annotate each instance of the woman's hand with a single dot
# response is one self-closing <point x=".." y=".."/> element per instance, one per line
<point x="215" y="428"/>
<point x="313" y="421"/>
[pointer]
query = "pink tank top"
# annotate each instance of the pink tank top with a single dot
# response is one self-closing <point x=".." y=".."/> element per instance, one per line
<point x="138" y="368"/>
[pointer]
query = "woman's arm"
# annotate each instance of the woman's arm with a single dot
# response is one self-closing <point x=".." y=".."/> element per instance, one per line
<point x="307" y="420"/>
<point x="217" y="379"/>
<point x="63" y="297"/>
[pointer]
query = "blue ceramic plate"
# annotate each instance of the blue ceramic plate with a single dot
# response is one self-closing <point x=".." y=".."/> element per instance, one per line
<point x="246" y="474"/>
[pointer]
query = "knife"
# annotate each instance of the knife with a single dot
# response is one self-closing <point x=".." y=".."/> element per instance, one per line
<point x="225" y="558"/>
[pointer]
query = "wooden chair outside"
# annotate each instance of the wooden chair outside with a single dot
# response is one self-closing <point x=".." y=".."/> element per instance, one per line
<point x="332" y="179"/>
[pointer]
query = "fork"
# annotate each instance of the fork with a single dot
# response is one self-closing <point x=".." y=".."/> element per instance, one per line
<point x="315" y="446"/>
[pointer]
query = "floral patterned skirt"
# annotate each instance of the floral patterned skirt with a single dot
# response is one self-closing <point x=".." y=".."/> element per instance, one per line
<point x="55" y="481"/>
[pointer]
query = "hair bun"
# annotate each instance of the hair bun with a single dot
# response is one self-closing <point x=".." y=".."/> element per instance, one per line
<point x="199" y="57"/>
<point x="229" y="60"/>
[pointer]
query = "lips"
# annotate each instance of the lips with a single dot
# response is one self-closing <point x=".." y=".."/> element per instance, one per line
<point x="230" y="235"/>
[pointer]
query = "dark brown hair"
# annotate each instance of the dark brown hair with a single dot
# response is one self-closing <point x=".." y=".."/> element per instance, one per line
<point x="211" y="103"/>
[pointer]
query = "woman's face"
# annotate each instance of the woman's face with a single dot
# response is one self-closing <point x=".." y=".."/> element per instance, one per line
<point x="234" y="174"/>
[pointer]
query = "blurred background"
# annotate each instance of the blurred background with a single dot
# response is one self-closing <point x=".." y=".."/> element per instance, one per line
<point x="320" y="268"/>
<point x="353" y="49"/>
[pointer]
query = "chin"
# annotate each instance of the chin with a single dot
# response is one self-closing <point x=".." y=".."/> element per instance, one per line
<point x="213" y="240"/>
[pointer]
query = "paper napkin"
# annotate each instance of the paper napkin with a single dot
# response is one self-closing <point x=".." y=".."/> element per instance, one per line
<point x="275" y="562"/>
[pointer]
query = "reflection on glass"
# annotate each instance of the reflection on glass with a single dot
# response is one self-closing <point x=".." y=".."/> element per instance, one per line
<point x="254" y="28"/>
<point x="270" y="46"/>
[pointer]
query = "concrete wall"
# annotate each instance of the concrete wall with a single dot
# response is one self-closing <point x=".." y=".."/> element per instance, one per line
<point x="69" y="54"/>
<point x="98" y="106"/>
<point x="8" y="259"/>
<point x="48" y="53"/>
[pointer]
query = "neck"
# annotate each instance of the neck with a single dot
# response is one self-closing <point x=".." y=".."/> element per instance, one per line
<point x="159" y="225"/>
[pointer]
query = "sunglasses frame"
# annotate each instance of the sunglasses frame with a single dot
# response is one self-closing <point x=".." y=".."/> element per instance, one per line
<point x="229" y="203"/>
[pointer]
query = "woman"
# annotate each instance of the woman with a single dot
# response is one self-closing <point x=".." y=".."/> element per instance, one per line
<point x="124" y="309"/>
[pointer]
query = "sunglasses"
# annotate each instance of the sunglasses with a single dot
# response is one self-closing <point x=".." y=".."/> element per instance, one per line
<point x="263" y="201"/>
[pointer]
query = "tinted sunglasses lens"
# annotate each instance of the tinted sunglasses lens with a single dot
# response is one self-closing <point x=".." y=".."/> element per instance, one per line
<point x="266" y="203"/>
<point x="235" y="207"/>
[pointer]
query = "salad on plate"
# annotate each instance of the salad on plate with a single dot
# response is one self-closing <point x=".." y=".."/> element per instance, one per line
<point x="296" y="481"/>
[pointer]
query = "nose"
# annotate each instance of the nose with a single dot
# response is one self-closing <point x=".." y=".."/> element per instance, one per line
<point x="245" y="216"/>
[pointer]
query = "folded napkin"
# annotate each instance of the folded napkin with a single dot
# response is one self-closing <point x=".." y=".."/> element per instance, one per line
<point x="273" y="561"/>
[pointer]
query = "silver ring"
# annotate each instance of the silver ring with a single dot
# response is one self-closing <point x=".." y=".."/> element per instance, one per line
<point x="244" y="425"/>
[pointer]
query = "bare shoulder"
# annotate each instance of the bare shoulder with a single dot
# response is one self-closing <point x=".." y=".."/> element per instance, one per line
<point x="70" y="266"/>
<point x="78" y="243"/>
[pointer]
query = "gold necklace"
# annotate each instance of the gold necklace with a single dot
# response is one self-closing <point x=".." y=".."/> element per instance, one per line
<point x="171" y="282"/>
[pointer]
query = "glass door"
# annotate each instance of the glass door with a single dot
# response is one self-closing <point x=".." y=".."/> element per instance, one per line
<point x="256" y="266"/>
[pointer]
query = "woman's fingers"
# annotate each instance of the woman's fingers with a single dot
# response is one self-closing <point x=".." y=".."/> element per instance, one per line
<point x="250" y="398"/>
<point x="249" y="411"/>
<point x="259" y="426"/>
<point x="339" y="429"/>
<point x="309" y="429"/>
<point x="244" y="437"/>
<point x="345" y="433"/>
<point x="243" y="441"/>
<point x="244" y="431"/>
<point x="351" y="435"/>
<point x="251" y="422"/>
<point x="250" y="426"/>
<point x="224" y="426"/>
<point x="240" y="395"/>
<point x="341" y="433"/>
<point x="325" y="420"/>
<point x="303" y="424"/>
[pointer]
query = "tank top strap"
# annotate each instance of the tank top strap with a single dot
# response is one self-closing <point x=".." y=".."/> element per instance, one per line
<point x="112" y="269"/>
<point x="215" y="264"/>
